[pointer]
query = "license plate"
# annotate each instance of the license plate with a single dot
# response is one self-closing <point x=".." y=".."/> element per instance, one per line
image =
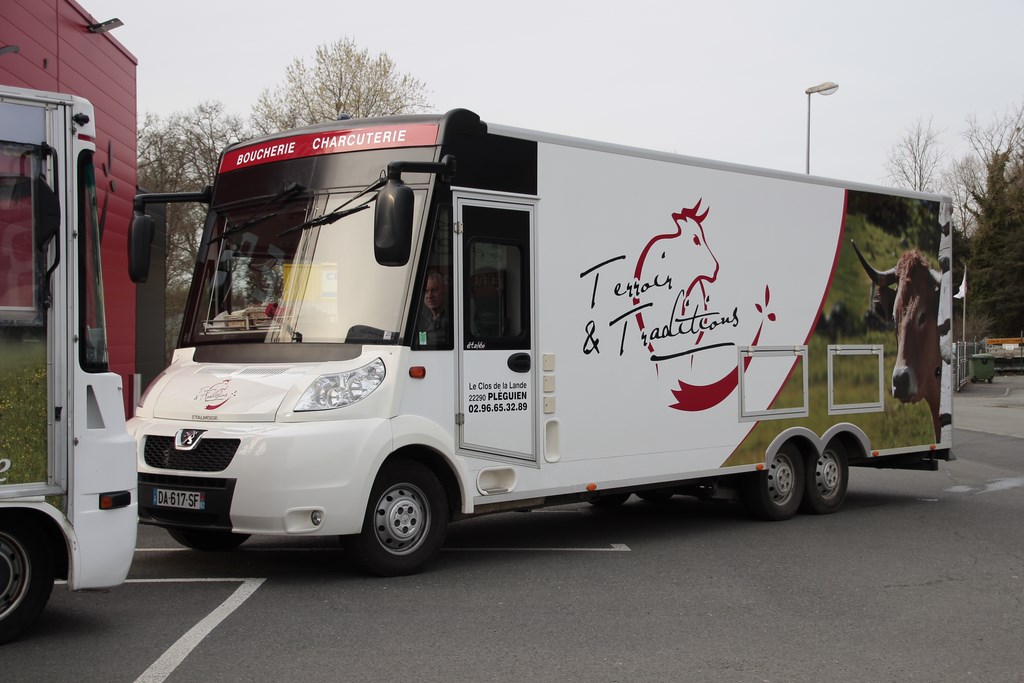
<point x="189" y="500"/>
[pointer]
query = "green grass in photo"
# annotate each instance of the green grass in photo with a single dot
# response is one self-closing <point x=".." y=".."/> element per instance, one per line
<point x="23" y="411"/>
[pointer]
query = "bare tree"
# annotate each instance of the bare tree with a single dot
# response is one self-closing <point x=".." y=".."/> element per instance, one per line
<point x="180" y="154"/>
<point x="979" y="325"/>
<point x="1004" y="133"/>
<point x="915" y="161"/>
<point x="962" y="180"/>
<point x="341" y="79"/>
<point x="966" y="180"/>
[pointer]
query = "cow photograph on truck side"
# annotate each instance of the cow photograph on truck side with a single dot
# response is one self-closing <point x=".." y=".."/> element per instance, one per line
<point x="913" y="307"/>
<point x="617" y="321"/>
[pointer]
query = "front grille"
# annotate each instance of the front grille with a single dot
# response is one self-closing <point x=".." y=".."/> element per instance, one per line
<point x="209" y="455"/>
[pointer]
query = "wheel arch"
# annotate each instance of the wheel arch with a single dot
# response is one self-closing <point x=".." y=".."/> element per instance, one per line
<point x="57" y="536"/>
<point x="437" y="463"/>
<point x="804" y="440"/>
<point x="851" y="437"/>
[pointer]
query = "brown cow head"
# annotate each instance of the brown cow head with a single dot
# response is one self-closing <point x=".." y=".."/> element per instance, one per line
<point x="914" y="310"/>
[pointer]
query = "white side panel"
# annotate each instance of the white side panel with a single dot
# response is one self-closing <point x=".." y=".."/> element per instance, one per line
<point x="103" y="463"/>
<point x="432" y="397"/>
<point x="650" y="275"/>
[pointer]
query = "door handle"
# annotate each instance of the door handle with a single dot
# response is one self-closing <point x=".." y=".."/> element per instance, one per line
<point x="519" y="362"/>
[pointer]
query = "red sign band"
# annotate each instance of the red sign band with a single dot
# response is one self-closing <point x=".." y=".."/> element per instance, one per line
<point x="330" y="142"/>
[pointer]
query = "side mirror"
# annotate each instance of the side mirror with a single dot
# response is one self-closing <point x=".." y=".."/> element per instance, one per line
<point x="140" y="239"/>
<point x="47" y="210"/>
<point x="392" y="224"/>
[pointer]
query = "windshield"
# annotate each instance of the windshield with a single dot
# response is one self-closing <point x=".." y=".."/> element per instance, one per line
<point x="267" y="277"/>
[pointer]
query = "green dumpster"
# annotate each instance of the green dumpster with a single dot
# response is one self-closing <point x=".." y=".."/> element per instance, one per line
<point x="983" y="367"/>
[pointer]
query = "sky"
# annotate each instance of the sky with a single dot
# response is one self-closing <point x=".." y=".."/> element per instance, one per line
<point x="719" y="79"/>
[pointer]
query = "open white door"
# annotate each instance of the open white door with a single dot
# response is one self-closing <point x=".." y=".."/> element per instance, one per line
<point x="494" y="330"/>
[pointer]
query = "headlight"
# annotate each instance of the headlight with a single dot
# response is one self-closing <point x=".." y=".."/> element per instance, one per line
<point x="328" y="392"/>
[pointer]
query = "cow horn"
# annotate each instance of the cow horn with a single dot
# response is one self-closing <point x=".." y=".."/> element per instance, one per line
<point x="879" y="277"/>
<point x="936" y="275"/>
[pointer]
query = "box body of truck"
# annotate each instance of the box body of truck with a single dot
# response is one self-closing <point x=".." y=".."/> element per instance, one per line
<point x="67" y="463"/>
<point x="575" y="320"/>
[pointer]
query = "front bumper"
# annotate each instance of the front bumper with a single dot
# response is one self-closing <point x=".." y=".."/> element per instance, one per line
<point x="272" y="482"/>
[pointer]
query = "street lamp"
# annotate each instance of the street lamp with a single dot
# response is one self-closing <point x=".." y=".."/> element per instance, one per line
<point x="826" y="88"/>
<point x="104" y="26"/>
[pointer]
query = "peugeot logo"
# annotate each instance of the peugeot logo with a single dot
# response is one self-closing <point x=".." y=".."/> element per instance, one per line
<point x="187" y="439"/>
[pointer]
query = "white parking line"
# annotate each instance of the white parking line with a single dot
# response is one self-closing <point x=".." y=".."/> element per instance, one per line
<point x="613" y="548"/>
<point x="248" y="549"/>
<point x="992" y="485"/>
<point x="175" y="655"/>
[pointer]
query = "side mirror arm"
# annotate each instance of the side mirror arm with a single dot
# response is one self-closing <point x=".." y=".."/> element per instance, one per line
<point x="445" y="168"/>
<point x="140" y="235"/>
<point x="204" y="196"/>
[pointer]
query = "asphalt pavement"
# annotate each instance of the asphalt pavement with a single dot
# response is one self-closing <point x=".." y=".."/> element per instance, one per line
<point x="993" y="408"/>
<point x="919" y="578"/>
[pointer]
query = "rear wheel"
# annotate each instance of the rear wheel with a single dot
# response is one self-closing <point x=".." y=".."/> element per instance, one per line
<point x="26" y="575"/>
<point x="405" y="523"/>
<point x="208" y="539"/>
<point x="775" y="493"/>
<point x="610" y="500"/>
<point x="827" y="478"/>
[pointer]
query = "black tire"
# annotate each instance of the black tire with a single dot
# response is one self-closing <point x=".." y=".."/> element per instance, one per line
<point x="208" y="539"/>
<point x="26" y="575"/>
<point x="610" y="500"/>
<point x="656" y="495"/>
<point x="775" y="493"/>
<point x="406" y="521"/>
<point x="828" y="475"/>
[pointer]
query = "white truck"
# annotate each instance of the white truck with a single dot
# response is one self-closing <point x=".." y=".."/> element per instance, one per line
<point x="399" y="322"/>
<point x="67" y="464"/>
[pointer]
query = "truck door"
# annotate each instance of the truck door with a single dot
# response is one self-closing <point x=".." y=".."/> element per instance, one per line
<point x="33" y="419"/>
<point x="494" y="324"/>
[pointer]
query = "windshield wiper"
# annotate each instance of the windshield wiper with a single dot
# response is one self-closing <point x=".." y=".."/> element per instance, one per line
<point x="340" y="211"/>
<point x="290" y="189"/>
<point x="326" y="219"/>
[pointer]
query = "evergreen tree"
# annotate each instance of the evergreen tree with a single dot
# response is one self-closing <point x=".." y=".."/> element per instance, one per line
<point x="997" y="250"/>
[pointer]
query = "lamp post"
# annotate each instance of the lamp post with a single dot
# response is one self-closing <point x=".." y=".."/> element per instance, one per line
<point x="104" y="26"/>
<point x="826" y="88"/>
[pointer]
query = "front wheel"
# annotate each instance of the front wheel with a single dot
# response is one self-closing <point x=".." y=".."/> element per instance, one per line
<point x="26" y="575"/>
<point x="827" y="478"/>
<point x="405" y="523"/>
<point x="208" y="539"/>
<point x="774" y="494"/>
<point x="656" y="495"/>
